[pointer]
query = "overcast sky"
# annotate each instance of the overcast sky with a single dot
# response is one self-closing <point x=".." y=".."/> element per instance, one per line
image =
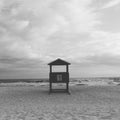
<point x="83" y="32"/>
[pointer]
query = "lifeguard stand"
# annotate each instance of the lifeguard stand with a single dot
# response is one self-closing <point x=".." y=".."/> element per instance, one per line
<point x="59" y="77"/>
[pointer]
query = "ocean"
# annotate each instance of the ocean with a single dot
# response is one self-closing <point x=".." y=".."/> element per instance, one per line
<point x="73" y="81"/>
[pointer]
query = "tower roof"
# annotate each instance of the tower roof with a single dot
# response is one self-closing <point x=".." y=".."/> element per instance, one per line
<point x="59" y="62"/>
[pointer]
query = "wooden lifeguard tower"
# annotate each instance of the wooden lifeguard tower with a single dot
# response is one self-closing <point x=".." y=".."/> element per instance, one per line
<point x="59" y="77"/>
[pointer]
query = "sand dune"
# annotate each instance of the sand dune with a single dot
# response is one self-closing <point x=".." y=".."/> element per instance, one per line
<point x="84" y="103"/>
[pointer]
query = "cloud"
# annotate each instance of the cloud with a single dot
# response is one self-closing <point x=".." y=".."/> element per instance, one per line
<point x="104" y="59"/>
<point x="33" y="32"/>
<point x="33" y="29"/>
<point x="106" y="42"/>
<point x="112" y="3"/>
<point x="101" y="46"/>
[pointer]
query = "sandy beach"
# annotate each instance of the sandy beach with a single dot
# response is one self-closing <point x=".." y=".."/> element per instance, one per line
<point x="84" y="103"/>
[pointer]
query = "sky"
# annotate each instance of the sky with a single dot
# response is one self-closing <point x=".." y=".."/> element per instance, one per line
<point x="85" y="33"/>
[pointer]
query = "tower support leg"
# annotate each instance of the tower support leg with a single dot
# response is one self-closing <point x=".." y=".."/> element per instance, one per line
<point x="50" y="87"/>
<point x="67" y="87"/>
